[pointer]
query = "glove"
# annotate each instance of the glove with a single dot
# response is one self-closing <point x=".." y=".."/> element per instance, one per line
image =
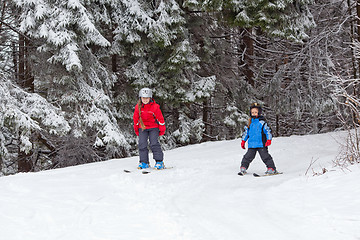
<point x="162" y="129"/>
<point x="243" y="144"/>
<point x="268" y="143"/>
<point x="136" y="129"/>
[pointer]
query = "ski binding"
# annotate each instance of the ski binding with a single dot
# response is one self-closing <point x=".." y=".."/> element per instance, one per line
<point x="266" y="175"/>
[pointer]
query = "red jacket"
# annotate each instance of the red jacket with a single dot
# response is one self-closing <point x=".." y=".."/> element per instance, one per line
<point x="151" y="116"/>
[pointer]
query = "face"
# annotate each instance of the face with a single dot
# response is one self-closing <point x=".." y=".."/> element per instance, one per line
<point x="145" y="100"/>
<point x="254" y="112"/>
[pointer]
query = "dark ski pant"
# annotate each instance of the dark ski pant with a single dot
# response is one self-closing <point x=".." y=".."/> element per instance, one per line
<point x="152" y="135"/>
<point x="264" y="154"/>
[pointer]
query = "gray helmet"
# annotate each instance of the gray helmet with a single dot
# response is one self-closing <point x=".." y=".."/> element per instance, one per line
<point x="145" y="92"/>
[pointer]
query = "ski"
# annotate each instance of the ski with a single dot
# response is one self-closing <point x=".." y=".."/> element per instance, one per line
<point x="241" y="173"/>
<point x="266" y="175"/>
<point x="148" y="170"/>
<point x="143" y="171"/>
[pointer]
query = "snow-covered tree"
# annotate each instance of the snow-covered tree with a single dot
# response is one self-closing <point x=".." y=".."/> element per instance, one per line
<point x="236" y="24"/>
<point x="68" y="72"/>
<point x="153" y="42"/>
<point x="343" y="73"/>
<point x="287" y="19"/>
<point x="23" y="114"/>
<point x="64" y="27"/>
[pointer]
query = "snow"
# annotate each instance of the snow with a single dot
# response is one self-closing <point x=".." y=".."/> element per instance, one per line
<point x="202" y="197"/>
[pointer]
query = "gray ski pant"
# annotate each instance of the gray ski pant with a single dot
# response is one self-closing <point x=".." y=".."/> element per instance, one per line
<point x="264" y="154"/>
<point x="152" y="135"/>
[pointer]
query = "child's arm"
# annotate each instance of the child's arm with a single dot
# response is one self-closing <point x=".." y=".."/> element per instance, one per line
<point x="160" y="119"/>
<point x="245" y="137"/>
<point x="267" y="131"/>
<point x="136" y="120"/>
<point x="268" y="134"/>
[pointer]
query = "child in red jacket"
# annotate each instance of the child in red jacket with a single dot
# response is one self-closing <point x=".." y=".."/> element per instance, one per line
<point x="149" y="124"/>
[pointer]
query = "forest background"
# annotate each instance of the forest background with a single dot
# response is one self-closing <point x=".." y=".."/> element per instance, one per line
<point x="70" y="72"/>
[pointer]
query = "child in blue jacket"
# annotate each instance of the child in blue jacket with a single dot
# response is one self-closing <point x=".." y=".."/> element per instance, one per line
<point x="258" y="135"/>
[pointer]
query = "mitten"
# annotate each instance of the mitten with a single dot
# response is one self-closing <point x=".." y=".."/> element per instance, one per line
<point x="136" y="129"/>
<point x="243" y="144"/>
<point x="162" y="129"/>
<point x="268" y="143"/>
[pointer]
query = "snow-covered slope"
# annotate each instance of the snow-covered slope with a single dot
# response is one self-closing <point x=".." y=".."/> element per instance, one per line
<point x="202" y="197"/>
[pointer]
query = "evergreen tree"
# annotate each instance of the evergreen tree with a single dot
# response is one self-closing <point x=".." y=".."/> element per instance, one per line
<point x="22" y="116"/>
<point x="287" y="19"/>
<point x="69" y="72"/>
<point x="293" y="75"/>
<point x="153" y="42"/>
<point x="239" y="20"/>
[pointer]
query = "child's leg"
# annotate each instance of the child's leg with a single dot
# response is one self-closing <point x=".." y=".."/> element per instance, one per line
<point x="248" y="157"/>
<point x="155" y="147"/>
<point x="143" y="146"/>
<point x="266" y="158"/>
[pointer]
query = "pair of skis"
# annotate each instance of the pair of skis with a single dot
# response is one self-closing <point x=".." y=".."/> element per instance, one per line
<point x="143" y="171"/>
<point x="147" y="170"/>
<point x="260" y="175"/>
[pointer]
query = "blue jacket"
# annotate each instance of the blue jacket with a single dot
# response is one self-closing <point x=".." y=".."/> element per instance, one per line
<point x="257" y="134"/>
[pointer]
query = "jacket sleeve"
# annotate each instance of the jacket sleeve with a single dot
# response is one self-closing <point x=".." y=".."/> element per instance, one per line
<point x="245" y="135"/>
<point x="136" y="120"/>
<point x="267" y="131"/>
<point x="160" y="120"/>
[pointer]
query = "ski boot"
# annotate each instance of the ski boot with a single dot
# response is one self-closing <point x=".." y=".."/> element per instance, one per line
<point x="159" y="165"/>
<point x="270" y="171"/>
<point x="242" y="171"/>
<point x="143" y="165"/>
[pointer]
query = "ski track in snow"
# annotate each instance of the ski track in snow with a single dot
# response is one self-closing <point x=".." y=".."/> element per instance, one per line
<point x="202" y="197"/>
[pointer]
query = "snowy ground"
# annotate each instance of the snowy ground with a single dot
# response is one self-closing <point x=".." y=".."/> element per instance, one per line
<point x="202" y="197"/>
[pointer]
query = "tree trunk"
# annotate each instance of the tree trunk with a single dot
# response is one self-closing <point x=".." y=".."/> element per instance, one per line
<point x="24" y="161"/>
<point x="114" y="63"/>
<point x="15" y="59"/>
<point x="29" y="78"/>
<point x="2" y="14"/>
<point x="25" y="77"/>
<point x="21" y="70"/>
<point x="246" y="62"/>
<point x="206" y="121"/>
<point x="356" y="89"/>
<point x="352" y="37"/>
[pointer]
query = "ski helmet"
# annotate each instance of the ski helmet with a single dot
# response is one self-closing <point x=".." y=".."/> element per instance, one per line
<point x="145" y="92"/>
<point x="256" y="105"/>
